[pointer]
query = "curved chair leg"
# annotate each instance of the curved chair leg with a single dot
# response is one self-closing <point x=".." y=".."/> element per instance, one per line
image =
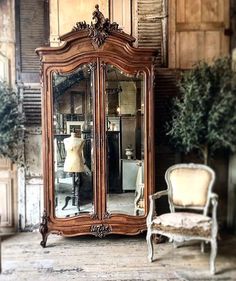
<point x="175" y="244"/>
<point x="202" y="247"/>
<point x="150" y="246"/>
<point x="213" y="256"/>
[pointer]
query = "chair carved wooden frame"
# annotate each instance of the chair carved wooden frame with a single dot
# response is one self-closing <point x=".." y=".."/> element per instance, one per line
<point x="139" y="192"/>
<point x="190" y="189"/>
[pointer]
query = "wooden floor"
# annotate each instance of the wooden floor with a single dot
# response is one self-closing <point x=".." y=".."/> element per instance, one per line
<point x="113" y="258"/>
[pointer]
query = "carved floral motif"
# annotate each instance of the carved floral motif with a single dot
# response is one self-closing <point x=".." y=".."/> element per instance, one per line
<point x="99" y="30"/>
<point x="100" y="230"/>
<point x="107" y="215"/>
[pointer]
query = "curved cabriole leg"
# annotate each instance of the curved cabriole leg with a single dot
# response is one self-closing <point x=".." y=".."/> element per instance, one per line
<point x="150" y="245"/>
<point x="44" y="241"/>
<point x="43" y="229"/>
<point x="175" y="244"/>
<point x="67" y="199"/>
<point x="202" y="247"/>
<point x="213" y="256"/>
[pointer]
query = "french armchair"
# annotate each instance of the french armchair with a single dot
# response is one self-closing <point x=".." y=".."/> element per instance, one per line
<point x="190" y="196"/>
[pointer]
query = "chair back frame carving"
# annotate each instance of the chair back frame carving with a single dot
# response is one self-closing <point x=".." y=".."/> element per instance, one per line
<point x="192" y="166"/>
<point x="180" y="232"/>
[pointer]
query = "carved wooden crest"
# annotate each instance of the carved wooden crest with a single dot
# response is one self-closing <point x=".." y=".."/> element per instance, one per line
<point x="100" y="230"/>
<point x="99" y="30"/>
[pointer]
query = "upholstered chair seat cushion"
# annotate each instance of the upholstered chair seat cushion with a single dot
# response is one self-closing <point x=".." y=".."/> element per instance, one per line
<point x="184" y="223"/>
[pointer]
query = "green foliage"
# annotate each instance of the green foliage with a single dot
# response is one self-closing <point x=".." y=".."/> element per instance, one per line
<point x="11" y="124"/>
<point x="204" y="116"/>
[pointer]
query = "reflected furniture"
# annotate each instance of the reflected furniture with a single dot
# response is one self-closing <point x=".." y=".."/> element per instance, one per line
<point x="100" y="87"/>
<point x="129" y="174"/>
<point x="190" y="196"/>
<point x="139" y="190"/>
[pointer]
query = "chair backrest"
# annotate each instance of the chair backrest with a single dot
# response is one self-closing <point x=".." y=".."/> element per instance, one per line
<point x="189" y="186"/>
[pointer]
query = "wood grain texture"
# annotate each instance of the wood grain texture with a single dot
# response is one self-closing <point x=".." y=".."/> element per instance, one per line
<point x="196" y="31"/>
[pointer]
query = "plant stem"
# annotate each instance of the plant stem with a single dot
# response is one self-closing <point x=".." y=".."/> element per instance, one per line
<point x="205" y="154"/>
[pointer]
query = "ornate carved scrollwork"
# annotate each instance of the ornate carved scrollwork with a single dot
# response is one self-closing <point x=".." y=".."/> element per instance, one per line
<point x="103" y="65"/>
<point x="94" y="216"/>
<point x="92" y="66"/>
<point x="99" y="30"/>
<point x="107" y="215"/>
<point x="43" y="229"/>
<point x="100" y="230"/>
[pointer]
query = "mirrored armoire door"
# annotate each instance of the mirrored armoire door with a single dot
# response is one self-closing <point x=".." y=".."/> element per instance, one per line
<point x="98" y="132"/>
<point x="124" y="141"/>
<point x="73" y="141"/>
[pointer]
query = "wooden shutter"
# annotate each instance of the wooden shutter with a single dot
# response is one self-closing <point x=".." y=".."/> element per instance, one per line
<point x="31" y="32"/>
<point x="151" y="17"/>
<point x="198" y="30"/>
<point x="165" y="90"/>
<point x="32" y="106"/>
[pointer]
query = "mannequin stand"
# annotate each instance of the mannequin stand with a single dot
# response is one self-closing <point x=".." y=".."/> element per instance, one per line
<point x="75" y="192"/>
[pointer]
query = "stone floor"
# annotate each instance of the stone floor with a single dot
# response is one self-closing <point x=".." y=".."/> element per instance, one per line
<point x="113" y="258"/>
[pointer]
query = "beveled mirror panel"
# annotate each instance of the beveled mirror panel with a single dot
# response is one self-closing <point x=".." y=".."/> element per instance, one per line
<point x="73" y="142"/>
<point x="124" y="141"/>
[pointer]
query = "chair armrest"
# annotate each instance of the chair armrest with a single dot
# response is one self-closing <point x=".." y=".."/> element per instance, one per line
<point x="152" y="210"/>
<point x="158" y="194"/>
<point x="213" y="197"/>
<point x="214" y="202"/>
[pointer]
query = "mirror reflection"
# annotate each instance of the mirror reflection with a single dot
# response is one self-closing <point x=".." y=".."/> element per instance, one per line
<point x="73" y="142"/>
<point x="124" y="142"/>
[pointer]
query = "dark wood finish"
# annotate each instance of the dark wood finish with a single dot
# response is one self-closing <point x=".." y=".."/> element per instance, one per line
<point x="114" y="162"/>
<point x="78" y="49"/>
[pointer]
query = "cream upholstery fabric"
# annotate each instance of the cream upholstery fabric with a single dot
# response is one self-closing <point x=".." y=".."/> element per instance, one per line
<point x="183" y="220"/>
<point x="190" y="186"/>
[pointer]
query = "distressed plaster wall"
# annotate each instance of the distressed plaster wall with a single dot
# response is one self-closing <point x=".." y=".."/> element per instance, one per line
<point x="7" y="41"/>
<point x="33" y="179"/>
<point x="8" y="178"/>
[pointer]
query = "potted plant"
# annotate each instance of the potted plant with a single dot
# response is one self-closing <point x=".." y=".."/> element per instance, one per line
<point x="204" y="114"/>
<point x="11" y="124"/>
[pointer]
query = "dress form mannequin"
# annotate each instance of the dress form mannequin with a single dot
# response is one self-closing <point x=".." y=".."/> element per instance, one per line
<point x="74" y="163"/>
